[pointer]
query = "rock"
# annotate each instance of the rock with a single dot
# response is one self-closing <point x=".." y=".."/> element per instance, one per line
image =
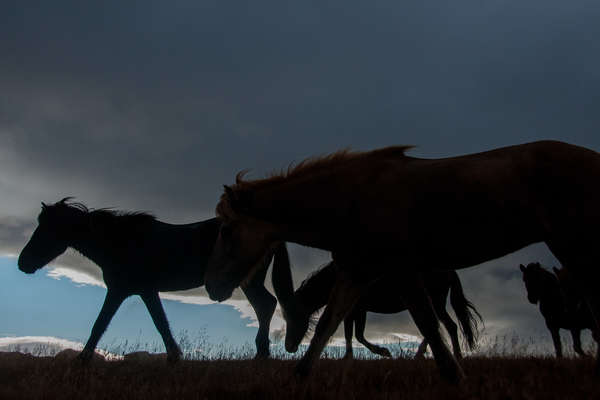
<point x="141" y="356"/>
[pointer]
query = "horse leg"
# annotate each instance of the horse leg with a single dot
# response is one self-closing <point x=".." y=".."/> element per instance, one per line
<point x="344" y="296"/>
<point x="420" y="354"/>
<point x="577" y="258"/>
<point x="348" y="328"/>
<point x="452" y="329"/>
<point x="264" y="305"/>
<point x="576" y="335"/>
<point x="554" y="331"/>
<point x="112" y="301"/>
<point x="596" y="337"/>
<point x="361" y="320"/>
<point x="159" y="317"/>
<point x="423" y="313"/>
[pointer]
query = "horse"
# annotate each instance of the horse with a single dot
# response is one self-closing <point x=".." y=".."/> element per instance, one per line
<point x="299" y="306"/>
<point x="386" y="215"/>
<point x="138" y="255"/>
<point x="561" y="307"/>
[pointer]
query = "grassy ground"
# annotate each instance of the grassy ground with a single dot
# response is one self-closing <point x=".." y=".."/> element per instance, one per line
<point x="26" y="377"/>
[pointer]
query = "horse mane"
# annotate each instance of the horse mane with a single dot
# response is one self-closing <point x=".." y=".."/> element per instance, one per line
<point x="315" y="290"/>
<point x="125" y="220"/>
<point x="323" y="276"/>
<point x="312" y="165"/>
<point x="544" y="272"/>
<point x="305" y="168"/>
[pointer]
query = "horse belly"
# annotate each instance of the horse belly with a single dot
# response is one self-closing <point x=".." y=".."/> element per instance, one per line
<point x="451" y="233"/>
<point x="182" y="278"/>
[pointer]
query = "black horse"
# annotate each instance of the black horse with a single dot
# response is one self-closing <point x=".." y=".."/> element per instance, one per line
<point x="383" y="297"/>
<point x="560" y="304"/>
<point x="138" y="255"/>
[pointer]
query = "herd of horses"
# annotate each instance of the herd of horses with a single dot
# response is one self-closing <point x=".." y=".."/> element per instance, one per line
<point x="397" y="228"/>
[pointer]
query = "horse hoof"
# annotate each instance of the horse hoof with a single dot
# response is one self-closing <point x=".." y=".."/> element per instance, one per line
<point x="174" y="357"/>
<point x="453" y="376"/>
<point x="386" y="353"/>
<point x="84" y="357"/>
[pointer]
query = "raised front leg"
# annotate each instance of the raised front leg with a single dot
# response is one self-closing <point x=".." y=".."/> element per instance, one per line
<point x="361" y="320"/>
<point x="554" y="331"/>
<point x="348" y="333"/>
<point x="422" y="312"/>
<point x="264" y="304"/>
<point x="112" y="301"/>
<point x="576" y="335"/>
<point x="159" y="317"/>
<point x="344" y="296"/>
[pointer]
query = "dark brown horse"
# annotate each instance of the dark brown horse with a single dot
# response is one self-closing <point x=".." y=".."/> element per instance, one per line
<point x="384" y="214"/>
<point x="137" y="255"/>
<point x="561" y="306"/>
<point x="383" y="297"/>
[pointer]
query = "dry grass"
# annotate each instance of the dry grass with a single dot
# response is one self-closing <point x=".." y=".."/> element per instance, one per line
<point x="26" y="377"/>
<point x="506" y="367"/>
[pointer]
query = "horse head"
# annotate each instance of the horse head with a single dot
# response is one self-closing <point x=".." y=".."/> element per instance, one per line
<point x="532" y="277"/>
<point x="240" y="247"/>
<point x="54" y="233"/>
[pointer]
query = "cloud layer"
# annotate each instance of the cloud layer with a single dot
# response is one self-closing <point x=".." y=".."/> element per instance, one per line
<point x="154" y="107"/>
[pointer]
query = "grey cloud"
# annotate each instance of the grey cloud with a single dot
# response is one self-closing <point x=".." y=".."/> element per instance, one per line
<point x="154" y="107"/>
<point x="14" y="233"/>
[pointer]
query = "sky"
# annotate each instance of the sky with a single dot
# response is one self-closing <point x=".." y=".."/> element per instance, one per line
<point x="155" y="105"/>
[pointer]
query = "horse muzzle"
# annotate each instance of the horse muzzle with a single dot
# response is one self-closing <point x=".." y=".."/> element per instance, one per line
<point x="219" y="293"/>
<point x="27" y="265"/>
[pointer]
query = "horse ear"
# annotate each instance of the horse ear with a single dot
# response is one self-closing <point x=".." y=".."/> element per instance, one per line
<point x="228" y="192"/>
<point x="44" y="205"/>
<point x="240" y="201"/>
<point x="523" y="269"/>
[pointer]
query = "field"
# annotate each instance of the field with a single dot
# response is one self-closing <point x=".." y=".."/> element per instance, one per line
<point x="28" y="377"/>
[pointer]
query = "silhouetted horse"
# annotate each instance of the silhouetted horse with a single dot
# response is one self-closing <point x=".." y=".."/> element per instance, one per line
<point x="137" y="255"/>
<point x="561" y="307"/>
<point x="382" y="297"/>
<point x="383" y="214"/>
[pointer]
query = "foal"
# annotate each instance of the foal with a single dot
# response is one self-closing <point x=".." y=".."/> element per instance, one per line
<point x="383" y="297"/>
<point x="560" y="306"/>
<point x="138" y="255"/>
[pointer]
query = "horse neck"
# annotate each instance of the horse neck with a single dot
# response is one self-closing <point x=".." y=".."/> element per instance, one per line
<point x="310" y="212"/>
<point x="90" y="244"/>
<point x="551" y="294"/>
<point x="314" y="292"/>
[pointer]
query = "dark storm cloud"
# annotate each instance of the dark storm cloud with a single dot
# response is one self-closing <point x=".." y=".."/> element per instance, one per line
<point x="155" y="105"/>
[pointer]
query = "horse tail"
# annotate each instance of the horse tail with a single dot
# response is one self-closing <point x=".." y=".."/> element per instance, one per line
<point x="467" y="314"/>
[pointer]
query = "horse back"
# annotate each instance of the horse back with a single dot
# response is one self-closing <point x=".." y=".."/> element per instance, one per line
<point x="461" y="211"/>
<point x="165" y="257"/>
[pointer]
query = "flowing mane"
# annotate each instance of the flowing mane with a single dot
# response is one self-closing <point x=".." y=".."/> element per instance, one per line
<point x="122" y="221"/>
<point x="314" y="282"/>
<point x="305" y="168"/>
